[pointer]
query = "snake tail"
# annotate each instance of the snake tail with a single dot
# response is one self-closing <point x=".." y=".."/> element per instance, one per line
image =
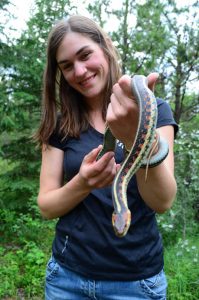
<point x="109" y="143"/>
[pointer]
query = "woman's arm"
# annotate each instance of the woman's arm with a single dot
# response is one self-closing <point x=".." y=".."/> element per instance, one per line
<point x="55" y="198"/>
<point x="160" y="188"/>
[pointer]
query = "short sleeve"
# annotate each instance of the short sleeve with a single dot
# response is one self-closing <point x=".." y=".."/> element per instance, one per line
<point x="56" y="138"/>
<point x="165" y="115"/>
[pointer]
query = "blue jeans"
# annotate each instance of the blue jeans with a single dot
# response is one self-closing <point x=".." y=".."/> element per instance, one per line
<point x="63" y="284"/>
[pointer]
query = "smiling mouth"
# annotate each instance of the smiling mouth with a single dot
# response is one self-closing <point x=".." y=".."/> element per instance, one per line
<point x="88" y="80"/>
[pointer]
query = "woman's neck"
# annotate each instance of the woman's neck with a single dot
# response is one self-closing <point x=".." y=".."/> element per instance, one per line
<point x="96" y="120"/>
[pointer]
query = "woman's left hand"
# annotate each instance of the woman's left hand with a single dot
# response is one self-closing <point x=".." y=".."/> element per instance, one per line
<point x="122" y="114"/>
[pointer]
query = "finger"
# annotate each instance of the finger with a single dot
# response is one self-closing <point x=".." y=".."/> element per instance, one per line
<point x="103" y="162"/>
<point x="109" y="167"/>
<point x="96" y="171"/>
<point x="91" y="156"/>
<point x="106" y="183"/>
<point x="106" y="177"/>
<point x="122" y="98"/>
<point x="116" y="105"/>
<point x="152" y="79"/>
<point x="118" y="166"/>
<point x="115" y="109"/>
<point x="125" y="84"/>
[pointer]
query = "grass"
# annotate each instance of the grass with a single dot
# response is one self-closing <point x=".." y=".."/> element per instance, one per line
<point x="23" y="257"/>
<point x="181" y="267"/>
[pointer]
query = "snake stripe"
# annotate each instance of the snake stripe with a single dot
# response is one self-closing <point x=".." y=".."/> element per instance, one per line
<point x="147" y="105"/>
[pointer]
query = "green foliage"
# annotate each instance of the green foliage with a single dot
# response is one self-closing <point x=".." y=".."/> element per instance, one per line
<point x="9" y="271"/>
<point x="3" y="3"/>
<point x="182" y="219"/>
<point x="97" y="9"/>
<point x="19" y="183"/>
<point x="20" y="91"/>
<point x="22" y="268"/>
<point x="181" y="268"/>
<point x="24" y="254"/>
<point x="150" y="31"/>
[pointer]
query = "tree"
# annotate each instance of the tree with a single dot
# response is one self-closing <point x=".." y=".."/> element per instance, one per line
<point x="99" y="9"/>
<point x="182" y="65"/>
<point x="21" y="101"/>
<point x="182" y="59"/>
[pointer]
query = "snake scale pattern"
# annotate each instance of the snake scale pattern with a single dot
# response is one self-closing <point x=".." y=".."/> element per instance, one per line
<point x="121" y="217"/>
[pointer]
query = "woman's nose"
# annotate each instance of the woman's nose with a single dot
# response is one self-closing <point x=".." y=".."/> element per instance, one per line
<point x="79" y="69"/>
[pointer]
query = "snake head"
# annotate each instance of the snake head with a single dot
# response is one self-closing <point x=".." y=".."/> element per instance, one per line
<point x="121" y="222"/>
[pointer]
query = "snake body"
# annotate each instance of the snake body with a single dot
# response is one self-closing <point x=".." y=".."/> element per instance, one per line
<point x="121" y="217"/>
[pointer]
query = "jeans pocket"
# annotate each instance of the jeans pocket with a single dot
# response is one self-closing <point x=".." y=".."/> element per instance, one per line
<point x="52" y="269"/>
<point x="155" y="287"/>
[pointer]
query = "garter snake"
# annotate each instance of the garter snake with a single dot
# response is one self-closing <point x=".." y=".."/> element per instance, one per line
<point x="147" y="105"/>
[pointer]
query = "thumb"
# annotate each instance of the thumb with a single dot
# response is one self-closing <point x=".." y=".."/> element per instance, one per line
<point x="125" y="84"/>
<point x="118" y="166"/>
<point x="91" y="156"/>
<point x="152" y="79"/>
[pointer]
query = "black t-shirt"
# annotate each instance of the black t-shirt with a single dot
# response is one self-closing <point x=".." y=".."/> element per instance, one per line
<point x="85" y="241"/>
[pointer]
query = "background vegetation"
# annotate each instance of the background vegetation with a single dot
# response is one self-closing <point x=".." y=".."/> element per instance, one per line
<point x="151" y="36"/>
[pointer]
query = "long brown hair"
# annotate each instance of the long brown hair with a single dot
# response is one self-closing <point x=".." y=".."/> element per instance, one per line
<point x="58" y="95"/>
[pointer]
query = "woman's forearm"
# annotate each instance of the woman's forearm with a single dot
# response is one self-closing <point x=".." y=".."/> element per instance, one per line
<point x="57" y="202"/>
<point x="159" y="190"/>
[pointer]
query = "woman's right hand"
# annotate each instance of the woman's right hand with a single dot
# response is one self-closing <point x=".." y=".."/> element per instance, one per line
<point x="100" y="173"/>
<point x="55" y="198"/>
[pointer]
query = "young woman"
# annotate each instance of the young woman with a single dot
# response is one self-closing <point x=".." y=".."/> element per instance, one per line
<point x="84" y="89"/>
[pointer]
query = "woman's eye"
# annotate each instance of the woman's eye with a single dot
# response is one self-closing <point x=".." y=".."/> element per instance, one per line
<point x="85" y="55"/>
<point x="67" y="67"/>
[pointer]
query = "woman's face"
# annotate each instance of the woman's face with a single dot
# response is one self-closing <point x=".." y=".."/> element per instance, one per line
<point x="83" y="64"/>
